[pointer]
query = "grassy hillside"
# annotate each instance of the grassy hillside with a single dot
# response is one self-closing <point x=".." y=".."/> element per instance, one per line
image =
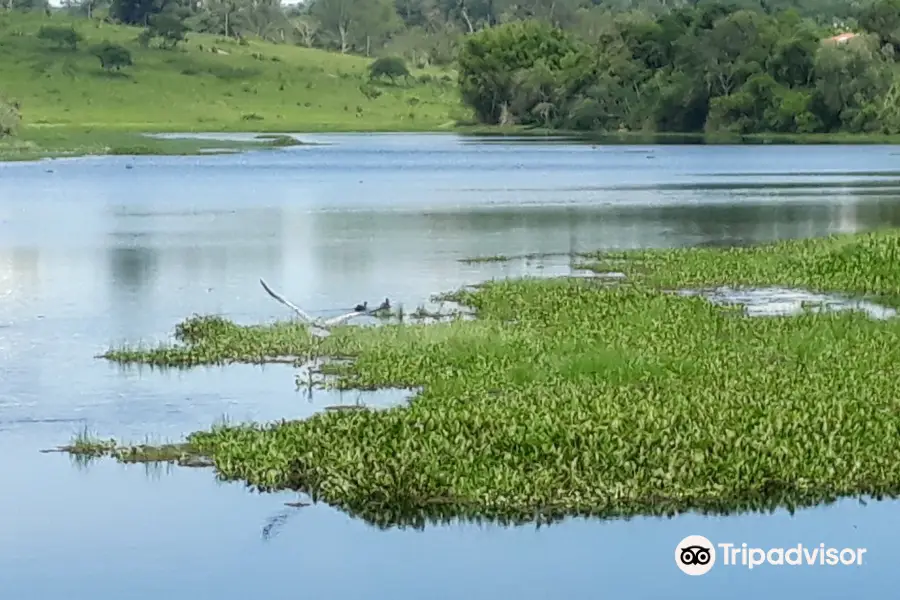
<point x="207" y="84"/>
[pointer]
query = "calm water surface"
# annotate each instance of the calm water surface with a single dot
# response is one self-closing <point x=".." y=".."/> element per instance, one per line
<point x="101" y="251"/>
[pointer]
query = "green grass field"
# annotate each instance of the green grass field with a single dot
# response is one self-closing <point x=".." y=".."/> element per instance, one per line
<point x="206" y="84"/>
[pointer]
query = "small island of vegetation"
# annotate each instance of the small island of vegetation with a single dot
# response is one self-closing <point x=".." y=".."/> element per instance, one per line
<point x="583" y="396"/>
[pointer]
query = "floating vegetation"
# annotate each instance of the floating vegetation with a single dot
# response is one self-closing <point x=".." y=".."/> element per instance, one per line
<point x="86" y="447"/>
<point x="214" y="340"/>
<point x="205" y="340"/>
<point x="576" y="397"/>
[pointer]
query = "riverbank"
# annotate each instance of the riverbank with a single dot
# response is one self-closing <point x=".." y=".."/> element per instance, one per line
<point x="659" y="138"/>
<point x="575" y="396"/>
<point x="39" y="144"/>
<point x="61" y="140"/>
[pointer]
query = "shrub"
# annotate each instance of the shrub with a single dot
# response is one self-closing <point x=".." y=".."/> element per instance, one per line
<point x="388" y="66"/>
<point x="112" y="56"/>
<point x="64" y="38"/>
<point x="10" y="118"/>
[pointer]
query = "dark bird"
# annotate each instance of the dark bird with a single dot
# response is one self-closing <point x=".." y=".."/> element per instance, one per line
<point x="362" y="307"/>
<point x="386" y="305"/>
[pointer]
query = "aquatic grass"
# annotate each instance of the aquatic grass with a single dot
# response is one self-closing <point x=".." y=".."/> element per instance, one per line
<point x="85" y="447"/>
<point x="573" y="397"/>
<point x="662" y="403"/>
<point x="86" y="444"/>
<point x="212" y="340"/>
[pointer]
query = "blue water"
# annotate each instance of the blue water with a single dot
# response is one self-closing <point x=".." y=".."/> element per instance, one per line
<point x="93" y="254"/>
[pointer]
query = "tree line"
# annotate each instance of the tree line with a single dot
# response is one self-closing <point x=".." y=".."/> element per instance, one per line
<point x="707" y="68"/>
<point x="423" y="32"/>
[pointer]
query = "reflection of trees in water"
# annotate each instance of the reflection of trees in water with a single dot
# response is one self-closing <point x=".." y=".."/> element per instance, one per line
<point x="346" y="242"/>
<point x="353" y="242"/>
<point x="133" y="268"/>
<point x="881" y="210"/>
<point x="133" y="264"/>
<point x="714" y="225"/>
<point x="193" y="245"/>
<point x="752" y="223"/>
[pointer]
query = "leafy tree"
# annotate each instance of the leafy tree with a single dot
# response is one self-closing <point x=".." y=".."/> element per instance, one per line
<point x="793" y="57"/>
<point x="883" y="19"/>
<point x="490" y="59"/>
<point x="849" y="80"/>
<point x="113" y="57"/>
<point x="388" y="66"/>
<point x="135" y="12"/>
<point x="63" y="38"/>
<point x="168" y="27"/>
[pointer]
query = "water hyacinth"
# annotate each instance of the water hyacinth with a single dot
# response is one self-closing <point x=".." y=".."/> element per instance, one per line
<point x="569" y="396"/>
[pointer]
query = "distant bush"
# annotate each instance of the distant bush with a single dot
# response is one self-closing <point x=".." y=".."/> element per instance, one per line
<point x="63" y="38"/>
<point x="168" y="28"/>
<point x="10" y="118"/>
<point x="369" y="91"/>
<point x="112" y="56"/>
<point x="388" y="66"/>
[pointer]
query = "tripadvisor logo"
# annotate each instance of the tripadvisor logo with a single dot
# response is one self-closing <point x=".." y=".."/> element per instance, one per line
<point x="696" y="555"/>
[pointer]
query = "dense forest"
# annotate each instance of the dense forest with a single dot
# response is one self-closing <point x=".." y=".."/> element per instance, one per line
<point x="709" y="68"/>
<point x="652" y="65"/>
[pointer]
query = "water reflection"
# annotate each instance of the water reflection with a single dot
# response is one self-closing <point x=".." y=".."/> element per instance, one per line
<point x="133" y="269"/>
<point x="96" y="254"/>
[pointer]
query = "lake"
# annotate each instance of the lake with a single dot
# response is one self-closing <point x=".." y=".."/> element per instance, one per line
<point x="96" y="252"/>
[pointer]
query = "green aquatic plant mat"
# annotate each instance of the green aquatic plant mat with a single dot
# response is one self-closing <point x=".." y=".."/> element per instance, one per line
<point x="570" y="396"/>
